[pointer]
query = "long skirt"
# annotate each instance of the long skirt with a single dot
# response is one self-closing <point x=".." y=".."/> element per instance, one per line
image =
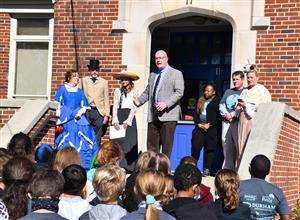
<point x="129" y="142"/>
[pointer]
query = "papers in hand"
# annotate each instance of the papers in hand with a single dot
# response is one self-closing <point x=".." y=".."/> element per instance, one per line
<point x="114" y="133"/>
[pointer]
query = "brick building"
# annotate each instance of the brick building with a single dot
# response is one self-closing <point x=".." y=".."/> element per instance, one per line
<point x="207" y="40"/>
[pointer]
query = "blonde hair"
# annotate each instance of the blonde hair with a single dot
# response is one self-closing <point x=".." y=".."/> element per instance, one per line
<point x="150" y="182"/>
<point x="170" y="191"/>
<point x="109" y="153"/>
<point x="66" y="157"/>
<point x="227" y="184"/>
<point x="109" y="182"/>
<point x="143" y="161"/>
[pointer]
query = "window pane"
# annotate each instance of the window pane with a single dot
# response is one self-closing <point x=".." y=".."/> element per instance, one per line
<point x="203" y="49"/>
<point x="33" y="27"/>
<point x="176" y="47"/>
<point x="227" y="49"/>
<point x="190" y="47"/>
<point x="31" y="68"/>
<point x="216" y="49"/>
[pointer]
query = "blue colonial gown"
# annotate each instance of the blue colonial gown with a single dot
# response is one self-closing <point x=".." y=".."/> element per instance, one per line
<point x="77" y="131"/>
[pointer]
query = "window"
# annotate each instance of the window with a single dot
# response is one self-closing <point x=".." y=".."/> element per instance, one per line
<point x="30" y="56"/>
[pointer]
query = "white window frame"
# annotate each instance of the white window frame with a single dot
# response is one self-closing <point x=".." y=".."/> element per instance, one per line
<point x="14" y="38"/>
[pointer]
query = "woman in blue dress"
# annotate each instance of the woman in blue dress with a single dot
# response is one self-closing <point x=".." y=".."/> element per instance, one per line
<point x="77" y="131"/>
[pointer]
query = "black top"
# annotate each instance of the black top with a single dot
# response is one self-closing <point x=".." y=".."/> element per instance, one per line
<point x="130" y="203"/>
<point x="241" y="212"/>
<point x="213" y="117"/>
<point x="195" y="211"/>
<point x="212" y="113"/>
<point x="176" y="203"/>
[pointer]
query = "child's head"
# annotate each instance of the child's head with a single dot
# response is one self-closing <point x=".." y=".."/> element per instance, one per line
<point x="161" y="163"/>
<point x="109" y="153"/>
<point x="187" y="176"/>
<point x="66" y="157"/>
<point x="188" y="160"/>
<point x="43" y="154"/>
<point x="46" y="183"/>
<point x="143" y="161"/>
<point x="227" y="186"/>
<point x="109" y="182"/>
<point x="149" y="187"/>
<point x="75" y="180"/>
<point x="149" y="182"/>
<point x="20" y="145"/>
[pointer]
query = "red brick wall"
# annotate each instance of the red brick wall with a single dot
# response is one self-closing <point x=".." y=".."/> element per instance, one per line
<point x="286" y="165"/>
<point x="84" y="34"/>
<point x="47" y="135"/>
<point x="4" y="53"/>
<point x="278" y="51"/>
<point x="6" y="114"/>
<point x="92" y="29"/>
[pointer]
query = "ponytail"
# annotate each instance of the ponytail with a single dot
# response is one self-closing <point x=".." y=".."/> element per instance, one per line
<point x="227" y="184"/>
<point x="151" y="212"/>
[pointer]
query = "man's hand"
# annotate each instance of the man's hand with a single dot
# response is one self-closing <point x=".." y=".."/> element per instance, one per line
<point x="136" y="101"/>
<point x="117" y="126"/>
<point x="228" y="116"/>
<point x="125" y="125"/>
<point x="160" y="106"/>
<point x="105" y="119"/>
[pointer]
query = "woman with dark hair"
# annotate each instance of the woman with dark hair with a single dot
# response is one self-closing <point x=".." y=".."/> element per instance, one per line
<point x="207" y="119"/>
<point x="228" y="206"/>
<point x="124" y="115"/>
<point x="20" y="145"/>
<point x="76" y="130"/>
<point x="17" y="173"/>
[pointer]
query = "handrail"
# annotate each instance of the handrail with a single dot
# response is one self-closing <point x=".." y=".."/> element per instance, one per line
<point x="43" y="125"/>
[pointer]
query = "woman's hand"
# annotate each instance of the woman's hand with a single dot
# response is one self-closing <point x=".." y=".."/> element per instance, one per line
<point x="125" y="125"/>
<point x="206" y="126"/>
<point x="117" y="126"/>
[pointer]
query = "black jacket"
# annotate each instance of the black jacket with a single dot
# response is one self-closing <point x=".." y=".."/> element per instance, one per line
<point x="241" y="212"/>
<point x="213" y="117"/>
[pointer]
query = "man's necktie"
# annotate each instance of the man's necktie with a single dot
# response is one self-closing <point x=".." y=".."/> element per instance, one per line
<point x="155" y="90"/>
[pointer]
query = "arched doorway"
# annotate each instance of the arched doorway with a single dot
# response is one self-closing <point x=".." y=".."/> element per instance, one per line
<point x="200" y="47"/>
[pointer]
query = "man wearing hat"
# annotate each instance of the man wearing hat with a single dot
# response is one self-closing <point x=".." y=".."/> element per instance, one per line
<point x="96" y="90"/>
<point x="164" y="91"/>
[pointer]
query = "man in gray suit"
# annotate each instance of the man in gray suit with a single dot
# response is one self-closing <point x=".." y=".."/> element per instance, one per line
<point x="164" y="91"/>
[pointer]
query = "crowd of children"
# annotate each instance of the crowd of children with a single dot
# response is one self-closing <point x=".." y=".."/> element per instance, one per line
<point x="54" y="185"/>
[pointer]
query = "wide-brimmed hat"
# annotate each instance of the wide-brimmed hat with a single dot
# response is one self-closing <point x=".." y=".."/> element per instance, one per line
<point x="126" y="75"/>
<point x="94" y="64"/>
